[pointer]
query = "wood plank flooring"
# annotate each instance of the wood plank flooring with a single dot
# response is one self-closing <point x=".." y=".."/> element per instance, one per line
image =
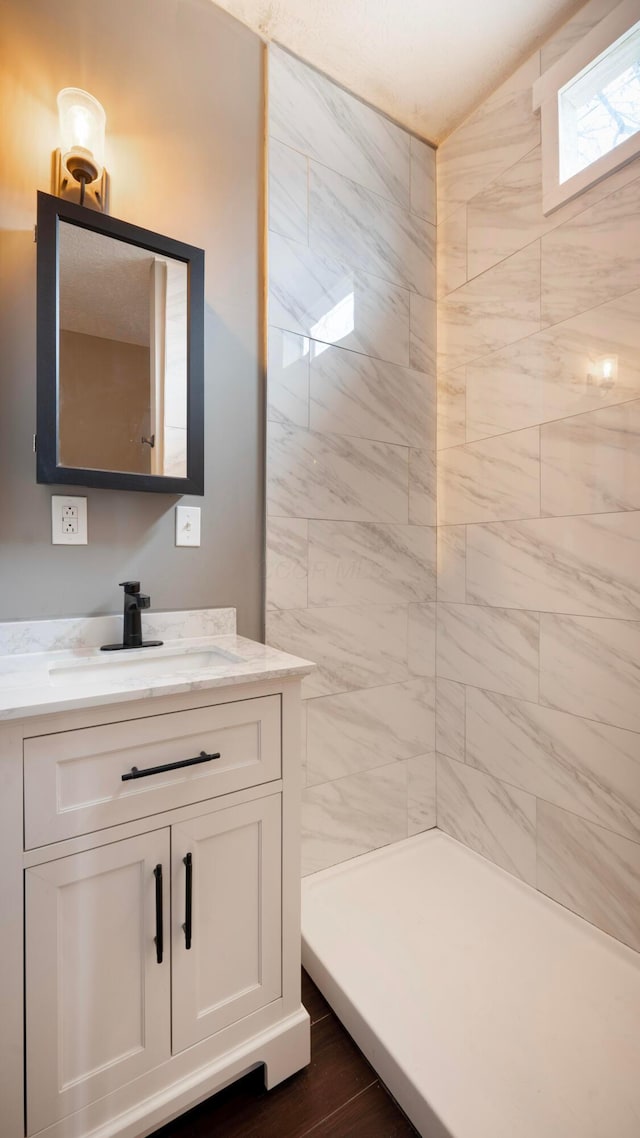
<point x="337" y="1096"/>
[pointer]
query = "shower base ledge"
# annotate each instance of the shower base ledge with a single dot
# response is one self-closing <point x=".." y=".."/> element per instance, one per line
<point x="488" y="1010"/>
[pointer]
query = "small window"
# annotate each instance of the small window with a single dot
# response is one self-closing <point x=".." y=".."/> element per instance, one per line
<point x="590" y="103"/>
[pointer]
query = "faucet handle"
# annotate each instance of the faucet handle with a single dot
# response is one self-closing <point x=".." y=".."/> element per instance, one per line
<point x="130" y="587"/>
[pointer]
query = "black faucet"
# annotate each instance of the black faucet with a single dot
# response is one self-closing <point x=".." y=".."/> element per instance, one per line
<point x="134" y="603"/>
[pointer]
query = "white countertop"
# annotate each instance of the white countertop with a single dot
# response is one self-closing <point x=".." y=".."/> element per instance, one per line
<point x="36" y="682"/>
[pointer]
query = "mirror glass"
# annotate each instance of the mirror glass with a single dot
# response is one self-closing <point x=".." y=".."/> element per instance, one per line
<point x="123" y="356"/>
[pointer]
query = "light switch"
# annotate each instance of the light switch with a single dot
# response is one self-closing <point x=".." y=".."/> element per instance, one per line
<point x="68" y="520"/>
<point x="187" y="525"/>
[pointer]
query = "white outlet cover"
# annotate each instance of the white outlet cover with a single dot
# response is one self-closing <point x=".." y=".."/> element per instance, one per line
<point x="187" y="525"/>
<point x="68" y="520"/>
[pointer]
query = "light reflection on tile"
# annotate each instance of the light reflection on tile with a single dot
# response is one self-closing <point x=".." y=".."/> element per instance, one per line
<point x="422" y="487"/>
<point x="452" y="252"/>
<point x="557" y="372"/>
<point x="317" y="296"/>
<point x="422" y="336"/>
<point x="452" y="554"/>
<point x="288" y="378"/>
<point x="452" y="392"/>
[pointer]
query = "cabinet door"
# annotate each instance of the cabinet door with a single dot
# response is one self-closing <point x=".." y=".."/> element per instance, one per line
<point x="97" y="999"/>
<point x="232" y="966"/>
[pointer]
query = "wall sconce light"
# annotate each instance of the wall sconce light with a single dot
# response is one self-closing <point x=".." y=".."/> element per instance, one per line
<point x="78" y="166"/>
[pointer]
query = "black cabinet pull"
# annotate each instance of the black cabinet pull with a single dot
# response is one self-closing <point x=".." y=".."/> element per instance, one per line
<point x="186" y="928"/>
<point x="203" y="757"/>
<point x="158" y="938"/>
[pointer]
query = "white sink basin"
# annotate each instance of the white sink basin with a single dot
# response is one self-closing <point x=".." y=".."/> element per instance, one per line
<point x="134" y="665"/>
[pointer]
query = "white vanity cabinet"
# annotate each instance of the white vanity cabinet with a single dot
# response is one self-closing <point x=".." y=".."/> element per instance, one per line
<point x="160" y="910"/>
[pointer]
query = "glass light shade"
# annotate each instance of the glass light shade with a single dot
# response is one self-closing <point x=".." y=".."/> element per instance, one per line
<point x="82" y="127"/>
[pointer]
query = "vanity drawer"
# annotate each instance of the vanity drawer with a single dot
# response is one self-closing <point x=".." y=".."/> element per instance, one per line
<point x="73" y="780"/>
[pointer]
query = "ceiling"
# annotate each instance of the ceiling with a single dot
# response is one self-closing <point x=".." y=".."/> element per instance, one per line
<point x="427" y="63"/>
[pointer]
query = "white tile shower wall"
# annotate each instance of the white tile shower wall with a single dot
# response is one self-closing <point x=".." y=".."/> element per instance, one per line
<point x="351" y="476"/>
<point x="538" y="621"/>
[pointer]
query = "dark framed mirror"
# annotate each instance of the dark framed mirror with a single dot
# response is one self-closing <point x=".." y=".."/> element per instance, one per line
<point x="120" y="354"/>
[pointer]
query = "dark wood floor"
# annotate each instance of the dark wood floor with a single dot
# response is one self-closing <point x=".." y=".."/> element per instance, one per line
<point x="337" y="1096"/>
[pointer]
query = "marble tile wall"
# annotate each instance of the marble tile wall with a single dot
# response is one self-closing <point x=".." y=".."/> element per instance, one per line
<point x="351" y="473"/>
<point x="538" y="553"/>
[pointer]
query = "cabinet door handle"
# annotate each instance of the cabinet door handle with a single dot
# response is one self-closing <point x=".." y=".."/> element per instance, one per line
<point x="203" y="757"/>
<point x="186" y="928"/>
<point x="159" y="937"/>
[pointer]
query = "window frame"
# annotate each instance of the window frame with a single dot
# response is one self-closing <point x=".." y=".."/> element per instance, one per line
<point x="546" y="91"/>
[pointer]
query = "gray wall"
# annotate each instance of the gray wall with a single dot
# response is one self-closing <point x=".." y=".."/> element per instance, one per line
<point x="181" y="83"/>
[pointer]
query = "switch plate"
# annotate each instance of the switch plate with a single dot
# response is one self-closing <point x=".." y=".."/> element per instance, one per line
<point x="68" y="520"/>
<point x="187" y="525"/>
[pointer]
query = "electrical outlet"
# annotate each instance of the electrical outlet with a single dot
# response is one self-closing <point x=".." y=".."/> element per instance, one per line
<point x="68" y="521"/>
<point x="187" y="525"/>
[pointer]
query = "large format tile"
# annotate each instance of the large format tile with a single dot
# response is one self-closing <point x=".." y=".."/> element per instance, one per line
<point x="359" y="646"/>
<point x="501" y="131"/>
<point x="452" y="409"/>
<point x="421" y="793"/>
<point x="352" y="815"/>
<point x="591" y="463"/>
<point x="319" y="297"/>
<point x="591" y="667"/>
<point x="593" y="257"/>
<point x="288" y="192"/>
<point x="286" y="563"/>
<point x="490" y="480"/>
<point x="450" y="718"/>
<point x="508" y="214"/>
<point x="496" y="820"/>
<point x="557" y="372"/>
<point x="288" y="378"/>
<point x="352" y="394"/>
<point x="422" y="333"/>
<point x="360" y="730"/>
<point x="355" y="562"/>
<point x="585" y="565"/>
<point x="329" y="476"/>
<point x="495" y="309"/>
<point x="452" y="555"/>
<point x="422" y="486"/>
<point x="318" y="118"/>
<point x="573" y="30"/>
<point x="370" y="233"/>
<point x="489" y="648"/>
<point x="582" y="766"/>
<point x="591" y="871"/>
<point x="423" y="179"/>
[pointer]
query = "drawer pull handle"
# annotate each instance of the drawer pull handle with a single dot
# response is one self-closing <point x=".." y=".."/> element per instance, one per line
<point x="203" y="757"/>
<point x="158" y="939"/>
<point x="186" y="928"/>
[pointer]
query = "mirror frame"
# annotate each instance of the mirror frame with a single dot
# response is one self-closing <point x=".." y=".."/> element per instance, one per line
<point x="51" y="211"/>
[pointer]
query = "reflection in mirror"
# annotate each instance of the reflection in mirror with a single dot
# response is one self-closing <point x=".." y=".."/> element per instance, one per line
<point x="123" y="338"/>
